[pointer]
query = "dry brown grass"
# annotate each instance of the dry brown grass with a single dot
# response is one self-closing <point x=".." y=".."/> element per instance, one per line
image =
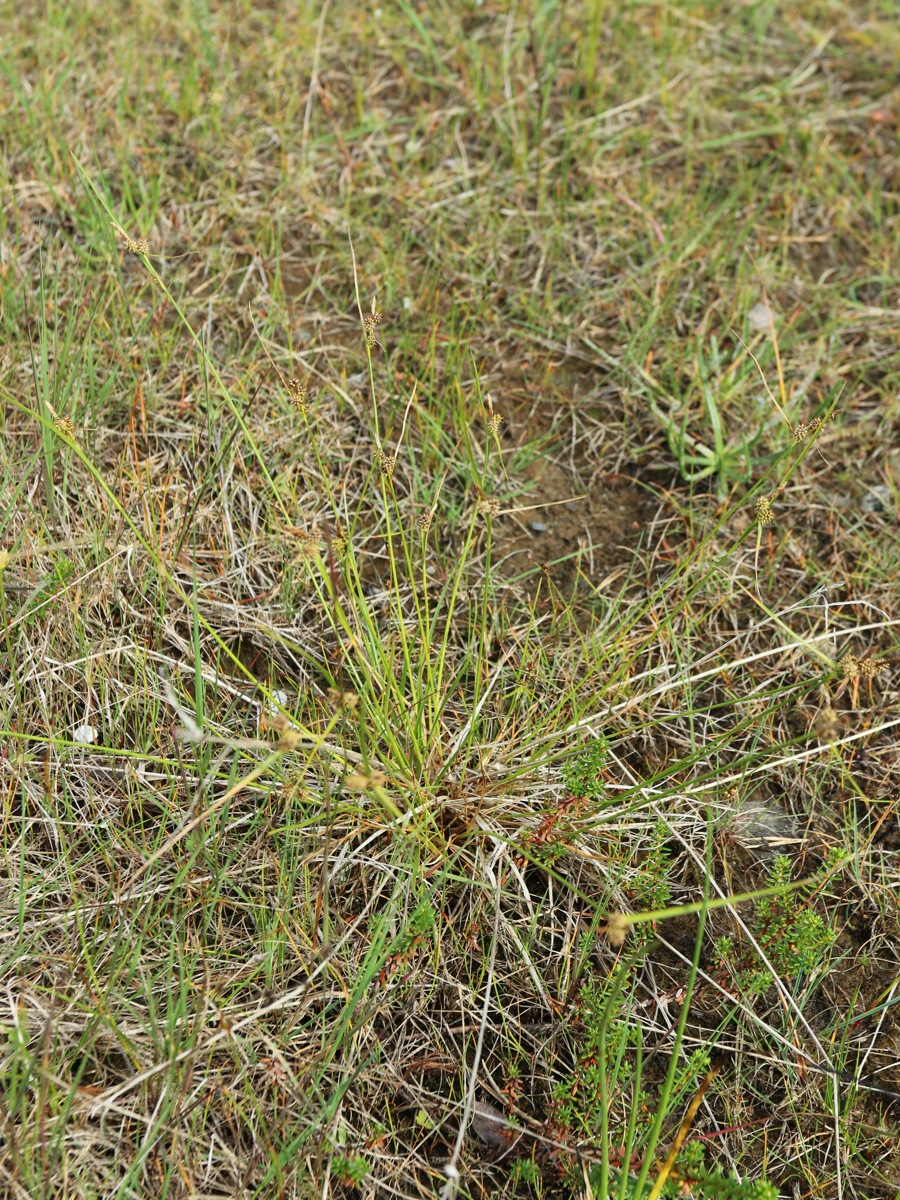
<point x="320" y="892"/>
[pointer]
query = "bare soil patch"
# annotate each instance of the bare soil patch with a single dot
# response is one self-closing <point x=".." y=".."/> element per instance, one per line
<point x="575" y="519"/>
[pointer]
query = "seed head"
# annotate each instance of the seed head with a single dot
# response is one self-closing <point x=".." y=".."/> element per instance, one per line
<point x="870" y="668"/>
<point x="495" y="420"/>
<point x="424" y="521"/>
<point x="617" y="926"/>
<point x="386" y="463"/>
<point x="765" y="514"/>
<point x="343" y="701"/>
<point x="294" y="786"/>
<point x="141" y="246"/>
<point x="489" y="506"/>
<point x="827" y="724"/>
<point x="850" y="666"/>
<point x="298" y="394"/>
<point x="288" y="739"/>
<point x="359" y="781"/>
<point x="310" y="542"/>
<point x="806" y="429"/>
<point x="65" y="429"/>
<point x="371" y="321"/>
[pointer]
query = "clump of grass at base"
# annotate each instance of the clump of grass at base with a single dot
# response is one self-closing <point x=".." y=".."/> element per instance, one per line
<point x="381" y="752"/>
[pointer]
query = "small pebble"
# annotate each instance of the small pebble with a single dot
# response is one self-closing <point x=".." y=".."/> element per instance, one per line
<point x="879" y="500"/>
<point x="85" y="735"/>
<point x="758" y="317"/>
<point x="537" y="527"/>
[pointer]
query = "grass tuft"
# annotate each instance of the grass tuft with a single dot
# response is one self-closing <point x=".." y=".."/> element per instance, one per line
<point x="448" y="578"/>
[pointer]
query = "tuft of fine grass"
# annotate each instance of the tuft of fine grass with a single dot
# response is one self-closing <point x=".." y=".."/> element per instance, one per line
<point x="413" y="578"/>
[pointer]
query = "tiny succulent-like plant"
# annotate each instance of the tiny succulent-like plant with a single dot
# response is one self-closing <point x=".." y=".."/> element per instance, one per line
<point x="582" y="774"/>
<point x="606" y="1077"/>
<point x="793" y="937"/>
<point x="350" y="1169"/>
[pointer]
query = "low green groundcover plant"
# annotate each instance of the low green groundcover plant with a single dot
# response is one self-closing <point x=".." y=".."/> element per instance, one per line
<point x="607" y="1078"/>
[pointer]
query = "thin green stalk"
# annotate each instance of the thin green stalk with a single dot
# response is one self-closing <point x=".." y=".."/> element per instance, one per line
<point x="4" y="617"/>
<point x="634" y="1109"/>
<point x="665" y="1094"/>
<point x="609" y="1010"/>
